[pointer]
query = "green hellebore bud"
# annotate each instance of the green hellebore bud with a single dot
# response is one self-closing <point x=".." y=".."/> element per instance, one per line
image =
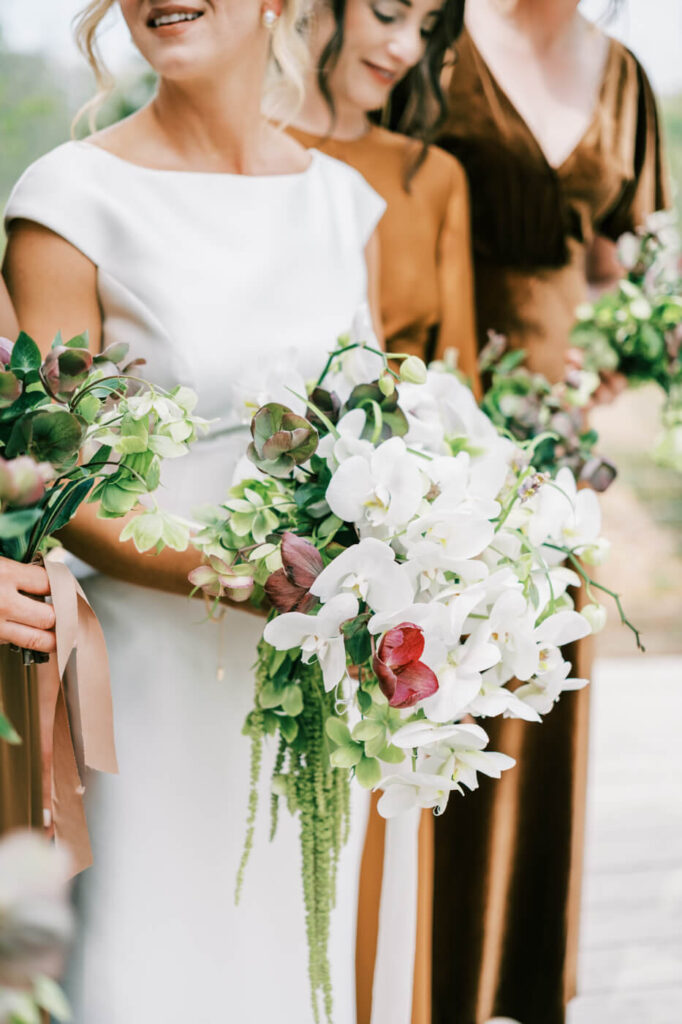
<point x="413" y="370"/>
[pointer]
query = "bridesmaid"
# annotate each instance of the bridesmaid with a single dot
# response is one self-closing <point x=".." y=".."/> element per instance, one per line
<point x="213" y="244"/>
<point x="557" y="127"/>
<point x="361" y="49"/>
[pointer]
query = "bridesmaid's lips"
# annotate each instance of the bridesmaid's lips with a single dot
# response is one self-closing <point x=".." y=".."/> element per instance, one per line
<point x="385" y="78"/>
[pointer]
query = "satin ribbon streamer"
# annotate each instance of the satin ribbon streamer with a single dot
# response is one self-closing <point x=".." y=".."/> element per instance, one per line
<point x="80" y="709"/>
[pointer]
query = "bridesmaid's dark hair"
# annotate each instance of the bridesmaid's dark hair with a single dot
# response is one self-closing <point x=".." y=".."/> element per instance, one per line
<point x="418" y="104"/>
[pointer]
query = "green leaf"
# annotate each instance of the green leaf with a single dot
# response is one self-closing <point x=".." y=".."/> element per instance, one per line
<point x="270" y="696"/>
<point x="368" y="729"/>
<point x="292" y="701"/>
<point x="337" y="731"/>
<point x="19" y="523"/>
<point x="347" y="756"/>
<point x="289" y="728"/>
<point x="25" y="355"/>
<point x="391" y="754"/>
<point x="8" y="732"/>
<point x="364" y="701"/>
<point x="368" y="772"/>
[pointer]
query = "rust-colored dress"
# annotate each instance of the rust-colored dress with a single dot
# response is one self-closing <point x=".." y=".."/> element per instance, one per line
<point x="427" y="307"/>
<point x="508" y="857"/>
<point x="425" y="243"/>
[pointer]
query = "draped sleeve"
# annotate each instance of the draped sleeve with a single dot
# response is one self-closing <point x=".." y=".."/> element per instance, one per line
<point x="646" y="187"/>
<point x="455" y="279"/>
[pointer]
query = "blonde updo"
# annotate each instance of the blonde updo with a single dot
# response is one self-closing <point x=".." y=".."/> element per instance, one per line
<point x="285" y="80"/>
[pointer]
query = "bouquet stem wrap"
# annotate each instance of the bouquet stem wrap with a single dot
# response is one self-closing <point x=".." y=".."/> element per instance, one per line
<point x="79" y="710"/>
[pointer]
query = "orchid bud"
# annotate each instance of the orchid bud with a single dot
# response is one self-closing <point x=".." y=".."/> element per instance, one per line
<point x="596" y="553"/>
<point x="413" y="370"/>
<point x="386" y="385"/>
<point x="596" y="616"/>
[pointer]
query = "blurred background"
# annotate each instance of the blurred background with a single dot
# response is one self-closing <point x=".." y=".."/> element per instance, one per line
<point x="631" y="952"/>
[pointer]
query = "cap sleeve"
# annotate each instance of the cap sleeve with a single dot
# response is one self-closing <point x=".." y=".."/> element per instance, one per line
<point x="57" y="193"/>
<point x="456" y="280"/>
<point x="647" y="188"/>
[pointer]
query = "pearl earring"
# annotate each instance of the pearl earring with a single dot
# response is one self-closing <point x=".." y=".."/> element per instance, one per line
<point x="269" y="18"/>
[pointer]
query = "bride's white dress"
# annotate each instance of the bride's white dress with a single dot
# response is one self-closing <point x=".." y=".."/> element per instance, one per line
<point x="209" y="277"/>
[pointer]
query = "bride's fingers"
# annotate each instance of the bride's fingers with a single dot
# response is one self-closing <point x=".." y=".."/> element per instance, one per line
<point x="30" y="639"/>
<point x="31" y="578"/>
<point x="33" y="613"/>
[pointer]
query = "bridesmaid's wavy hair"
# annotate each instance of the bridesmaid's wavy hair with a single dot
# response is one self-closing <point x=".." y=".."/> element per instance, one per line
<point x="285" y="81"/>
<point x="418" y="104"/>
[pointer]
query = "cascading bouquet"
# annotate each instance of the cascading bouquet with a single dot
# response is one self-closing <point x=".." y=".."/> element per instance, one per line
<point x="415" y="565"/>
<point x="636" y="330"/>
<point x="526" y="406"/>
<point x="78" y="427"/>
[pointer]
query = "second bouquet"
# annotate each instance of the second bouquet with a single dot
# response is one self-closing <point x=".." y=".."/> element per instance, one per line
<point x="415" y="565"/>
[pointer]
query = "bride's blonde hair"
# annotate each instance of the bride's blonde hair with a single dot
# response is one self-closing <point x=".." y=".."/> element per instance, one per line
<point x="285" y="80"/>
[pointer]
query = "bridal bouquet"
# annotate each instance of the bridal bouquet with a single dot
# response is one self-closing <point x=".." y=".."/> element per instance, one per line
<point x="636" y="330"/>
<point x="526" y="406"/>
<point x="78" y="427"/>
<point x="415" y="565"/>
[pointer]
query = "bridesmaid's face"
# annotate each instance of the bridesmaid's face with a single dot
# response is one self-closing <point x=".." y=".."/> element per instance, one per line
<point x="184" y="39"/>
<point x="383" y="40"/>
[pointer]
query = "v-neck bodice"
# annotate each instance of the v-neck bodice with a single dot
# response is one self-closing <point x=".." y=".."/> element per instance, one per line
<point x="500" y="96"/>
<point x="531" y="222"/>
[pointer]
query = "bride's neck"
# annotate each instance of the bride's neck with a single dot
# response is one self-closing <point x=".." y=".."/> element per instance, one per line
<point x="217" y="124"/>
<point x="543" y="23"/>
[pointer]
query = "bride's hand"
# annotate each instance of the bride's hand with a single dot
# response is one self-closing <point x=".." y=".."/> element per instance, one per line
<point x="24" y="621"/>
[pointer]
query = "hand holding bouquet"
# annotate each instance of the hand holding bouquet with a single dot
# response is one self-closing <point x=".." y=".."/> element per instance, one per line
<point x="414" y="560"/>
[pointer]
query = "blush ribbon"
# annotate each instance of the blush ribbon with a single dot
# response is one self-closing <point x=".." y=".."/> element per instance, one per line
<point x="80" y="723"/>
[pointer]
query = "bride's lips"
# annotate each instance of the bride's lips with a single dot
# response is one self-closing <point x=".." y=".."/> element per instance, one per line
<point x="384" y="76"/>
<point x="173" y="19"/>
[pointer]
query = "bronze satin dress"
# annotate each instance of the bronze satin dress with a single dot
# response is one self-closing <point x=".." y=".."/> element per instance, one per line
<point x="508" y="857"/>
<point x="426" y="307"/>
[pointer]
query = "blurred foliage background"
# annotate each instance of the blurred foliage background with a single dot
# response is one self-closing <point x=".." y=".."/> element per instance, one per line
<point x="39" y="97"/>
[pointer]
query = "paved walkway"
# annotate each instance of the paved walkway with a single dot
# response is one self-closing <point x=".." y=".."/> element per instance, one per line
<point x="631" y="945"/>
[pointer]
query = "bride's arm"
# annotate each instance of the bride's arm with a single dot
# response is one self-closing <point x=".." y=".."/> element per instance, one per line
<point x="8" y="321"/>
<point x="54" y="287"/>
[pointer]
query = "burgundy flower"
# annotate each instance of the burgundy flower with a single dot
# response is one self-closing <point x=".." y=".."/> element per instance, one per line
<point x="403" y="678"/>
<point x="288" y="588"/>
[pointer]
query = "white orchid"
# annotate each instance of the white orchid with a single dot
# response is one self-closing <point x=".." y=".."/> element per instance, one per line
<point x="347" y="441"/>
<point x="383" y="491"/>
<point x="369" y="571"/>
<point x="449" y="758"/>
<point x="318" y="636"/>
<point x="565" y="516"/>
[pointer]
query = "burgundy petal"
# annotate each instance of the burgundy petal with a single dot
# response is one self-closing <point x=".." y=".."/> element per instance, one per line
<point x="415" y="682"/>
<point x="301" y="559"/>
<point x="388" y="680"/>
<point x="402" y="645"/>
<point x="285" y="596"/>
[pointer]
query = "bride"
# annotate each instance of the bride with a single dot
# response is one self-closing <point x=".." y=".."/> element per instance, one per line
<point x="213" y="244"/>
